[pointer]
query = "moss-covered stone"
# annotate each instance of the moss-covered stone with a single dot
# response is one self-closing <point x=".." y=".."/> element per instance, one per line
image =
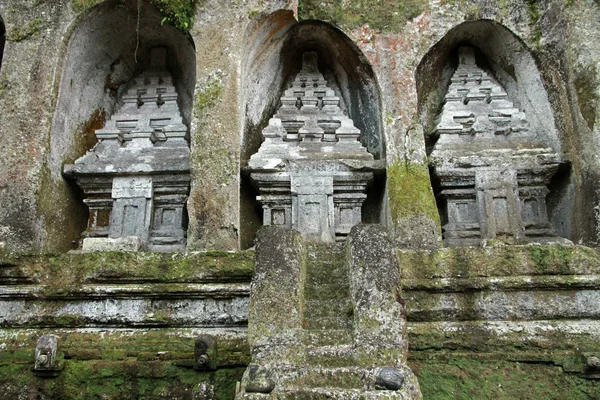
<point x="121" y="364"/>
<point x="471" y="262"/>
<point x="384" y="15"/>
<point x="587" y="84"/>
<point x="68" y="271"/>
<point x="409" y="191"/>
<point x="466" y="378"/>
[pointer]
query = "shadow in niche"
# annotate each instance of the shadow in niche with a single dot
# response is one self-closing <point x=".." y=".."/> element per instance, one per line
<point x="276" y="46"/>
<point x="506" y="58"/>
<point x="2" y="40"/>
<point x="105" y="51"/>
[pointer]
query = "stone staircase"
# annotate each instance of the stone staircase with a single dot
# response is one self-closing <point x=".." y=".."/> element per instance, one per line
<point x="327" y="316"/>
<point x="320" y="355"/>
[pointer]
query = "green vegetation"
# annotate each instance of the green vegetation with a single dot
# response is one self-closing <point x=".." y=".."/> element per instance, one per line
<point x="383" y="15"/>
<point x="180" y="13"/>
<point x="208" y="95"/>
<point x="466" y="379"/>
<point x="587" y="84"/>
<point x="535" y="13"/>
<point x="409" y="191"/>
<point x="22" y="32"/>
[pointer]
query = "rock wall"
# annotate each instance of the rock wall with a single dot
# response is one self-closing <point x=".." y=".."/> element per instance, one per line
<point x="480" y="322"/>
<point x="232" y="63"/>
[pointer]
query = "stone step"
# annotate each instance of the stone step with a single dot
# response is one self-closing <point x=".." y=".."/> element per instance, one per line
<point x="328" y="308"/>
<point x="326" y="377"/>
<point x="330" y="356"/>
<point x="326" y="291"/>
<point x="326" y="273"/>
<point x="327" y="337"/>
<point x="326" y="394"/>
<point x="329" y="322"/>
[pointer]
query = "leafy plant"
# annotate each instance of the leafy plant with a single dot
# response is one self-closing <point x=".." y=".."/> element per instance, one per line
<point x="180" y="13"/>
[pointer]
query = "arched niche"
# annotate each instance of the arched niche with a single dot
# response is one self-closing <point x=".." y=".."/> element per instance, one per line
<point x="2" y="40"/>
<point x="507" y="59"/>
<point x="501" y="53"/>
<point x="107" y="47"/>
<point x="275" y="46"/>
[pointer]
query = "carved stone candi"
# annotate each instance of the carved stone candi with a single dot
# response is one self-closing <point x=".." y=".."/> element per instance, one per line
<point x="492" y="169"/>
<point x="136" y="179"/>
<point x="312" y="171"/>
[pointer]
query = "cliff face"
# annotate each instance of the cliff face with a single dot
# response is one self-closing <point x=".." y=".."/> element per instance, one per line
<point x="475" y="317"/>
<point x="64" y="64"/>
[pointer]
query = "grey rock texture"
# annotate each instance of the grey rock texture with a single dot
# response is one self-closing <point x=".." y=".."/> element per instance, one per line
<point x="52" y="101"/>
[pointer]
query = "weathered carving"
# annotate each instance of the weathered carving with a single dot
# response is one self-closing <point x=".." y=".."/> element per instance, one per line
<point x="205" y="353"/>
<point x="136" y="179"/>
<point x="312" y="171"/>
<point x="493" y="170"/>
<point x="46" y="357"/>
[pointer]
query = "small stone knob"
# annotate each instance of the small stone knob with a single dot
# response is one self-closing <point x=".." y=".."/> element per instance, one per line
<point x="43" y="359"/>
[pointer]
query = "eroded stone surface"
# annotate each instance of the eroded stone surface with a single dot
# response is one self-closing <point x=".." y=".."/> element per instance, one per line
<point x="339" y="333"/>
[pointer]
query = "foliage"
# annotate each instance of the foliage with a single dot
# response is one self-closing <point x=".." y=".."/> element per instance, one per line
<point x="180" y="13"/>
<point x="25" y="31"/>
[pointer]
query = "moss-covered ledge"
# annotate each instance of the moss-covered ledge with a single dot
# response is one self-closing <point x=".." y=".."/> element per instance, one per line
<point x="120" y="289"/>
<point x="122" y="364"/>
<point x="496" y="261"/>
<point x="66" y="270"/>
<point x="505" y="322"/>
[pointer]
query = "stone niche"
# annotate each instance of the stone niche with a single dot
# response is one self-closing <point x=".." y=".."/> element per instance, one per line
<point x="491" y="168"/>
<point x="311" y="171"/>
<point x="136" y="179"/>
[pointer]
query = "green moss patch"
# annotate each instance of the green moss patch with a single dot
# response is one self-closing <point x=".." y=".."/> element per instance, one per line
<point x="410" y="192"/>
<point x="587" y="84"/>
<point x="383" y="15"/>
<point x="121" y="364"/>
<point x="466" y="379"/>
<point x="68" y="271"/>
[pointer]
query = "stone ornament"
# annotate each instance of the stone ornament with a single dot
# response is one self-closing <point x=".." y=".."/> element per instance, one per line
<point x="136" y="179"/>
<point x="312" y="171"/>
<point x="492" y="168"/>
<point x="46" y="361"/>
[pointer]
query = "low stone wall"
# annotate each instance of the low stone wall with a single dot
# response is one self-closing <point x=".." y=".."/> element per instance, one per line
<point x="508" y="322"/>
<point x="127" y="324"/>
